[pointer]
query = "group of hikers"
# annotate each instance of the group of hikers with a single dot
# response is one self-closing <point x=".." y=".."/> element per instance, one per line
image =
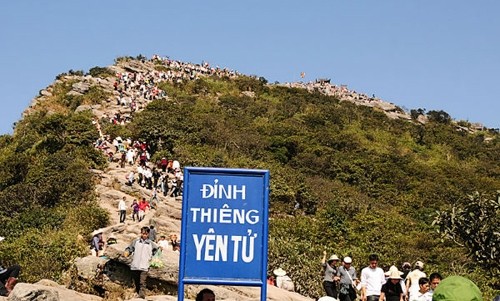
<point x="341" y="282"/>
<point x="163" y="176"/>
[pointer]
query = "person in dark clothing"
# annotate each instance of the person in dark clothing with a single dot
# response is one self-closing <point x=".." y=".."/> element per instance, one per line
<point x="8" y="279"/>
<point x="156" y="176"/>
<point x="152" y="233"/>
<point x="406" y="269"/>
<point x="392" y="289"/>
<point x="205" y="295"/>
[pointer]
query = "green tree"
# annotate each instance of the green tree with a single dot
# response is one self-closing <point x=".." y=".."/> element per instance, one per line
<point x="474" y="222"/>
<point x="439" y="116"/>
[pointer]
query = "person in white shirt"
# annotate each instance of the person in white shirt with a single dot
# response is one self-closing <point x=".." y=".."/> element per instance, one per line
<point x="283" y="281"/>
<point x="163" y="243"/>
<point x="412" y="285"/>
<point x="131" y="178"/>
<point x="122" y="208"/>
<point x="434" y="280"/>
<point x="423" y="292"/>
<point x="372" y="279"/>
<point x="131" y="156"/>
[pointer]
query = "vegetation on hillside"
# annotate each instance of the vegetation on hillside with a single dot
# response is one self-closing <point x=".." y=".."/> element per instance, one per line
<point x="344" y="178"/>
<point x="47" y="192"/>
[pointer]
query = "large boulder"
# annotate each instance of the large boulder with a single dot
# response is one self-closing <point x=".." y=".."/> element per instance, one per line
<point x="87" y="266"/>
<point x="80" y="87"/>
<point x="47" y="290"/>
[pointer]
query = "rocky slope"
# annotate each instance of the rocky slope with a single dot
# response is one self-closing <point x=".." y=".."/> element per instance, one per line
<point x="113" y="281"/>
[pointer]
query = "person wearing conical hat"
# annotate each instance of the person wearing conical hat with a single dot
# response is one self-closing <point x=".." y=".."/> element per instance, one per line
<point x="330" y="278"/>
<point x="392" y="289"/>
<point x="283" y="281"/>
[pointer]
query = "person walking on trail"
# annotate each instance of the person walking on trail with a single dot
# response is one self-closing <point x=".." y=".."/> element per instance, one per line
<point x="154" y="198"/>
<point x="423" y="291"/>
<point x="143" y="205"/>
<point x="348" y="280"/>
<point x="372" y="279"/>
<point x="97" y="243"/>
<point x="412" y="286"/>
<point x="152" y="233"/>
<point x="330" y="278"/>
<point x="143" y="250"/>
<point x="392" y="290"/>
<point x="8" y="279"/>
<point x="283" y="281"/>
<point x="434" y="280"/>
<point x="122" y="208"/>
<point x="135" y="210"/>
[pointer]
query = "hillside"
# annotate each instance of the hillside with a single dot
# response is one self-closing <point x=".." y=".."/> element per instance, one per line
<point x="349" y="174"/>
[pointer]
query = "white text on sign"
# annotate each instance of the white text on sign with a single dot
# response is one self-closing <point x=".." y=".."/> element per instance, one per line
<point x="225" y="215"/>
<point x="212" y="247"/>
<point x="216" y="191"/>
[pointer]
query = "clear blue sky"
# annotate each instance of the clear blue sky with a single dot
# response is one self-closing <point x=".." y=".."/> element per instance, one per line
<point x="437" y="55"/>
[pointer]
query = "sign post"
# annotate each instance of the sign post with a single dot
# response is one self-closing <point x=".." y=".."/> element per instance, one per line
<point x="224" y="228"/>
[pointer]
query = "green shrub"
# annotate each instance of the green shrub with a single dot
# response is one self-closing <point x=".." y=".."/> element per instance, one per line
<point x="101" y="72"/>
<point x="43" y="253"/>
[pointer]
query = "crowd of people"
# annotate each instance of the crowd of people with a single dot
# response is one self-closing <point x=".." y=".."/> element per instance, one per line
<point x="340" y="92"/>
<point x="163" y="176"/>
<point x="341" y="282"/>
<point x="133" y="90"/>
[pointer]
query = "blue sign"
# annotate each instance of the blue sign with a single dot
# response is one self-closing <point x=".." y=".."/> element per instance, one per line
<point x="224" y="227"/>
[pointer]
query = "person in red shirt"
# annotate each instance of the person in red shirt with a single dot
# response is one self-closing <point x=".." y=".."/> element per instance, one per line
<point x="143" y="205"/>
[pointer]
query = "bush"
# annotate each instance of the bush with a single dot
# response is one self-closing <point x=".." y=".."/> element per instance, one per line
<point x="43" y="253"/>
<point x="101" y="72"/>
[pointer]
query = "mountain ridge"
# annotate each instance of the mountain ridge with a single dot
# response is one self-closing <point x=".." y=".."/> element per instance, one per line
<point x="108" y="106"/>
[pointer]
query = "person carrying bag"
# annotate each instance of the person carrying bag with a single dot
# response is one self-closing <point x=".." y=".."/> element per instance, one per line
<point x="347" y="275"/>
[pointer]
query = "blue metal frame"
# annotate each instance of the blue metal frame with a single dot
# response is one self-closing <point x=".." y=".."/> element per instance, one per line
<point x="262" y="282"/>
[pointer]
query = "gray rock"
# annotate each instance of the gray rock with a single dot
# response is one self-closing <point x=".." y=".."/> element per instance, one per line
<point x="385" y="106"/>
<point x="47" y="290"/>
<point x="82" y="107"/>
<point x="74" y="93"/>
<point x="45" y="93"/>
<point x="81" y="87"/>
<point x="87" y="266"/>
<point x="422" y="119"/>
<point x="250" y="94"/>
